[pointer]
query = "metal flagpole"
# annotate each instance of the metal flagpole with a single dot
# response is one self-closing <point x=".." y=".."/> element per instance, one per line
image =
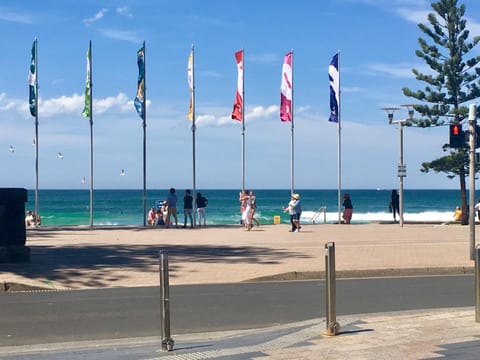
<point x="36" y="134"/>
<point x="91" y="130"/>
<point x="292" y="167"/>
<point x="339" y="129"/>
<point x="243" y="120"/>
<point x="193" y="141"/>
<point x="144" y="105"/>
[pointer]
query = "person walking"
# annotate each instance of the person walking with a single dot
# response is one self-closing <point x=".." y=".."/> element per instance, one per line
<point x="294" y="209"/>
<point x="201" y="204"/>
<point x="253" y="205"/>
<point x="394" y="204"/>
<point x="348" y="209"/>
<point x="187" y="208"/>
<point x="171" y="204"/>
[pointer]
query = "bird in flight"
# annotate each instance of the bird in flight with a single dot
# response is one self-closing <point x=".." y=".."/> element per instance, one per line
<point x="12" y="149"/>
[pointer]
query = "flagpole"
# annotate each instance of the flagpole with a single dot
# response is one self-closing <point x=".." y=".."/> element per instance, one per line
<point x="243" y="120"/>
<point x="36" y="133"/>
<point x="339" y="129"/>
<point x="194" y="178"/>
<point x="292" y="168"/>
<point x="91" y="129"/>
<point x="144" y="125"/>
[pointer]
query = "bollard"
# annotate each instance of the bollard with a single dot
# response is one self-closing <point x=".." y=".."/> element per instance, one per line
<point x="333" y="327"/>
<point x="477" y="284"/>
<point x="167" y="341"/>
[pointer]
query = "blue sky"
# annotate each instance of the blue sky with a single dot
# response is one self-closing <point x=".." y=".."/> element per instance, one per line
<point x="377" y="41"/>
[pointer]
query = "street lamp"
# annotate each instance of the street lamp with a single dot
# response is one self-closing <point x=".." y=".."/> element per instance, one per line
<point x="402" y="168"/>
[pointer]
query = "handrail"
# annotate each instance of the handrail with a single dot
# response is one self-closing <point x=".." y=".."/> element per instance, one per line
<point x="316" y="215"/>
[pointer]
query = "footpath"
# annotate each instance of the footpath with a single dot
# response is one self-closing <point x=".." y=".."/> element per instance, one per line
<point x="80" y="258"/>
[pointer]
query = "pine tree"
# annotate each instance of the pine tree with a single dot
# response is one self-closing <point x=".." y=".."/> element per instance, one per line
<point x="453" y="81"/>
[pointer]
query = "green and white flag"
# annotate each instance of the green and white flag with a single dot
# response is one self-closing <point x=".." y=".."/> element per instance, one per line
<point x="32" y="81"/>
<point x="88" y="92"/>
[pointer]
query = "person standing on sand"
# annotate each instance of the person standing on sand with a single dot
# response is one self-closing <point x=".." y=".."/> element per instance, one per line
<point x="348" y="211"/>
<point x="394" y="204"/>
<point x="201" y="204"/>
<point x="172" y="207"/>
<point x="187" y="208"/>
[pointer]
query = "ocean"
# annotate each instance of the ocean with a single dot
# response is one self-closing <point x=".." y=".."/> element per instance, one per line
<point x="125" y="207"/>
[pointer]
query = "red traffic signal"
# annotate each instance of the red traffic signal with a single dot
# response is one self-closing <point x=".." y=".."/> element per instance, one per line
<point x="457" y="136"/>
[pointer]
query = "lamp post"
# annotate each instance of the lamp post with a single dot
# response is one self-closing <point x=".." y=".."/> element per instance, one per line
<point x="402" y="168"/>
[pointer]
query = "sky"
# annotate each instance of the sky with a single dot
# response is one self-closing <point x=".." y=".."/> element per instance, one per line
<point x="376" y="39"/>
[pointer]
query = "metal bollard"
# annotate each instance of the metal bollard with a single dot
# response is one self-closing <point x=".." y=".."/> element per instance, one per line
<point x="167" y="341"/>
<point x="477" y="284"/>
<point x="333" y="327"/>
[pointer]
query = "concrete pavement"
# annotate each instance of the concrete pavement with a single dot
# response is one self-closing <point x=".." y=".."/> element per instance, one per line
<point x="84" y="258"/>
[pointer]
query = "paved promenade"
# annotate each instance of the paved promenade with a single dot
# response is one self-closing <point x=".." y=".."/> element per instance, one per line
<point x="80" y="257"/>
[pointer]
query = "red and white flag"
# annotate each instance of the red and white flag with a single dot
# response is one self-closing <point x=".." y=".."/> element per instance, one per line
<point x="286" y="89"/>
<point x="237" y="113"/>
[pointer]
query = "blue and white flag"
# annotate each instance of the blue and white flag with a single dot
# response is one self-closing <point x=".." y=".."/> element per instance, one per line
<point x="334" y="77"/>
<point x="140" y="98"/>
<point x="32" y="81"/>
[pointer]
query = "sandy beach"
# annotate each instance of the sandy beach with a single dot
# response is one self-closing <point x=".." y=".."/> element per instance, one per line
<point x="80" y="257"/>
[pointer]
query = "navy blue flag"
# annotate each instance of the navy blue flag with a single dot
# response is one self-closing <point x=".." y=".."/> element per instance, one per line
<point x="140" y="98"/>
<point x="334" y="77"/>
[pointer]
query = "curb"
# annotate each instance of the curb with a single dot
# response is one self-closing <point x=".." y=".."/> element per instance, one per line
<point x="367" y="273"/>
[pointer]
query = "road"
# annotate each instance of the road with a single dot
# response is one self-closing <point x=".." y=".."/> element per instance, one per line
<point x="46" y="317"/>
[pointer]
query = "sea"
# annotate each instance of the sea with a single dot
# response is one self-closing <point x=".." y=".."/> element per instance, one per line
<point x="125" y="207"/>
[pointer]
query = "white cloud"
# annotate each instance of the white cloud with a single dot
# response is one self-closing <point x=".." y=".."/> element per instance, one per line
<point x="402" y="70"/>
<point x="124" y="10"/>
<point x="415" y="16"/>
<point x="99" y="15"/>
<point x="65" y="105"/>
<point x="5" y="15"/>
<point x="265" y="58"/>
<point x="118" y="34"/>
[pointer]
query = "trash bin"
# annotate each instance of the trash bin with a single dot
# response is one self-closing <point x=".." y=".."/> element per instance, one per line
<point x="276" y="219"/>
<point x="12" y="225"/>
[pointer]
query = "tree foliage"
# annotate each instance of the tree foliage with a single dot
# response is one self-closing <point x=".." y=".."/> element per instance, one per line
<point x="453" y="80"/>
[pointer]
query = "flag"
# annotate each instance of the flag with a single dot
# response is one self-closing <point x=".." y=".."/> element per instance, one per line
<point x="190" y="84"/>
<point x="237" y="113"/>
<point x="286" y="89"/>
<point x="334" y="77"/>
<point x="88" y="93"/>
<point x="140" y="98"/>
<point x="32" y="80"/>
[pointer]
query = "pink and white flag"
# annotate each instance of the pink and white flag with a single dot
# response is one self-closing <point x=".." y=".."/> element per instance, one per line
<point x="237" y="113"/>
<point x="286" y="89"/>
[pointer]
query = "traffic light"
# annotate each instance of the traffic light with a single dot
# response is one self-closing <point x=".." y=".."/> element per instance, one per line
<point x="457" y="136"/>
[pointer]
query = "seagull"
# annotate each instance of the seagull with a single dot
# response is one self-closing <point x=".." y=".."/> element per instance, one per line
<point x="84" y="180"/>
<point x="60" y="155"/>
<point x="12" y="149"/>
<point x="122" y="173"/>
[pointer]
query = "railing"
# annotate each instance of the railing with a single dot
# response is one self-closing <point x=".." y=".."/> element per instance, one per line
<point x="318" y="213"/>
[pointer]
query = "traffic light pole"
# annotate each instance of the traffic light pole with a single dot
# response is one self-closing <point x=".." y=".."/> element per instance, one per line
<point x="400" y="176"/>
<point x="472" y="115"/>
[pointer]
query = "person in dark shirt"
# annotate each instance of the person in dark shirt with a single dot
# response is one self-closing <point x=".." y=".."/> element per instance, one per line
<point x="187" y="208"/>
<point x="201" y="204"/>
<point x="394" y="204"/>
<point x="348" y="209"/>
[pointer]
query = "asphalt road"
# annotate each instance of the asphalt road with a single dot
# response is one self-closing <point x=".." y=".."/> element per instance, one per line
<point x="46" y="317"/>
